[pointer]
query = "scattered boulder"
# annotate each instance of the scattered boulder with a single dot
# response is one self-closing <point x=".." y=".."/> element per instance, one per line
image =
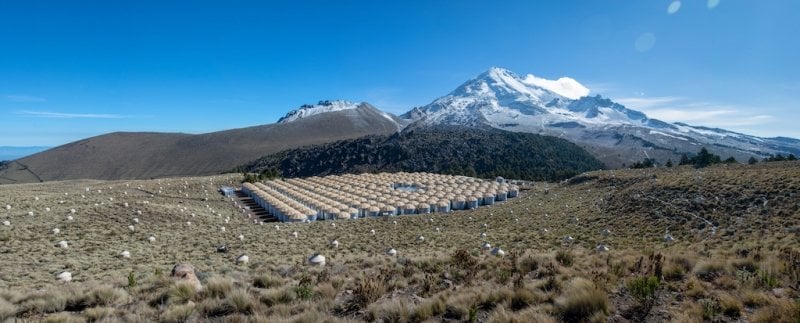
<point x="64" y="276"/>
<point x="186" y="273"/>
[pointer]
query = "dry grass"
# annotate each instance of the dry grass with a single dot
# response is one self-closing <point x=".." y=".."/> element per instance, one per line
<point x="745" y="269"/>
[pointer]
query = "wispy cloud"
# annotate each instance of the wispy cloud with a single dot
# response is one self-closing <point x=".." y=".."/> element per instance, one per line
<point x="24" y="98"/>
<point x="680" y="109"/>
<point x="62" y="115"/>
<point x="642" y="102"/>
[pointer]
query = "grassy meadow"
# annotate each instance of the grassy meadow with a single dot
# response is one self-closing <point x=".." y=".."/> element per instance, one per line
<point x="734" y="257"/>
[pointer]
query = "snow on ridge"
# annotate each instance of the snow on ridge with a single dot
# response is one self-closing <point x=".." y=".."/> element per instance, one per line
<point x="324" y="106"/>
<point x="564" y="86"/>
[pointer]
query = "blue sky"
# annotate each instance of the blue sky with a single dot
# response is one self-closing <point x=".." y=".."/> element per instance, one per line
<point x="74" y="69"/>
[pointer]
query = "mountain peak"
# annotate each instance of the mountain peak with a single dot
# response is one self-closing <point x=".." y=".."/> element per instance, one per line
<point x="307" y="110"/>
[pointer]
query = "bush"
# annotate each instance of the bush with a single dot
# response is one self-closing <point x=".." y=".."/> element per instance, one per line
<point x="182" y="292"/>
<point x="368" y="290"/>
<point x="709" y="271"/>
<point x="767" y="279"/>
<point x="267" y="281"/>
<point x="218" y="287"/>
<point x="643" y="288"/>
<point x="730" y="306"/>
<point x="581" y="301"/>
<point x="522" y="298"/>
<point x="565" y="258"/>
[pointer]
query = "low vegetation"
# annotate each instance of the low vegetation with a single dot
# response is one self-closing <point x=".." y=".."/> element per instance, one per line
<point x="734" y="256"/>
<point x="479" y="153"/>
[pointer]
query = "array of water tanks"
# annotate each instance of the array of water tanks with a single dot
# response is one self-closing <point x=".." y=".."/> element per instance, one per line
<point x="373" y="195"/>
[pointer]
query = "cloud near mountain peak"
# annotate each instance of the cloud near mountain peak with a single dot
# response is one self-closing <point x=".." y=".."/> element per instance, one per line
<point x="564" y="86"/>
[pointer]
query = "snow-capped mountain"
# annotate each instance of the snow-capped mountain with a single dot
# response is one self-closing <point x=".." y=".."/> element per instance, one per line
<point x="617" y="135"/>
<point x="324" y="106"/>
<point x="354" y="112"/>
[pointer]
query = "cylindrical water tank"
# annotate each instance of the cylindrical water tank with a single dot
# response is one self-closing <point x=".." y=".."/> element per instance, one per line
<point x="513" y="191"/>
<point x="389" y="210"/>
<point x="460" y="202"/>
<point x="501" y="195"/>
<point x="488" y="199"/>
<point x="472" y="202"/>
<point x="443" y="207"/>
<point x="423" y="208"/>
<point x="374" y="211"/>
<point x="409" y="209"/>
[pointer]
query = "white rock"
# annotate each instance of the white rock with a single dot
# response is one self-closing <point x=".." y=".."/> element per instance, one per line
<point x="138" y="212"/>
<point x="240" y="237"/>
<point x="222" y="229"/>
<point x="606" y="232"/>
<point x="36" y="198"/>
<point x="486" y="246"/>
<point x="64" y="276"/>
<point x="63" y="244"/>
<point x="372" y="232"/>
<point x="188" y="223"/>
<point x="483" y="234"/>
<point x="151" y="239"/>
<point x="601" y="248"/>
<point x="294" y="234"/>
<point x="136" y="220"/>
<point x="569" y="239"/>
<point x="131" y="227"/>
<point x="498" y="252"/>
<point x="47" y="209"/>
<point x="30" y="213"/>
<point x="335" y="244"/>
<point x="56" y="231"/>
<point x="316" y="260"/>
<point x="125" y="254"/>
<point x="6" y="223"/>
<point x="391" y="252"/>
<point x="72" y="211"/>
<point x="243" y="259"/>
<point x="70" y="218"/>
<point x="8" y="207"/>
<point x="420" y="239"/>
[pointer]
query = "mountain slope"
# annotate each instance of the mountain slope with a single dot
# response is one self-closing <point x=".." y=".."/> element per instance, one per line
<point x="458" y="150"/>
<point x="617" y="135"/>
<point x="12" y="152"/>
<point x="139" y="155"/>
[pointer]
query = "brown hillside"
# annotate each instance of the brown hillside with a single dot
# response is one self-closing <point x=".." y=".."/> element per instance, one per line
<point x="140" y="155"/>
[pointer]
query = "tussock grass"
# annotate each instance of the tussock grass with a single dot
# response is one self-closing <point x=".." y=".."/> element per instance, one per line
<point x="746" y="270"/>
<point x="582" y="301"/>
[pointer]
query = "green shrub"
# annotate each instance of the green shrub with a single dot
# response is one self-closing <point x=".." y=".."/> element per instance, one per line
<point x="643" y="288"/>
<point x="131" y="280"/>
<point x="767" y="279"/>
